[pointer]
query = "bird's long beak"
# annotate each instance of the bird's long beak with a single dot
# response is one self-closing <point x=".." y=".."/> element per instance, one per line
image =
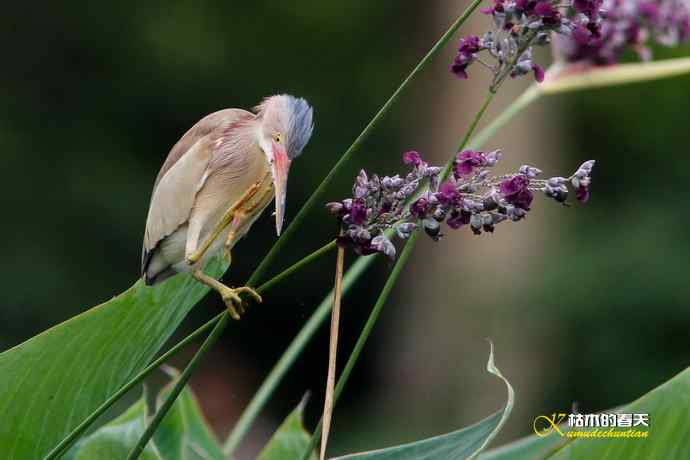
<point x="281" y="167"/>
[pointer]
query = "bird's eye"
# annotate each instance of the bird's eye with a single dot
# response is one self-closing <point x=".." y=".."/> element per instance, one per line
<point x="278" y="138"/>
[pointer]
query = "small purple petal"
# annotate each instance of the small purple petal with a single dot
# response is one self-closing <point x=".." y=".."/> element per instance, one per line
<point x="582" y="194"/>
<point x="358" y="213"/>
<point x="538" y="73"/>
<point x="412" y="158"/>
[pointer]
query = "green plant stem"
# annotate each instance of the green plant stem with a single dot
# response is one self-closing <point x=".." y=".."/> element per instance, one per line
<point x="316" y="197"/>
<point x="530" y="95"/>
<point x="297" y="266"/>
<point x="366" y="331"/>
<point x="178" y="387"/>
<point x="288" y="358"/>
<point x="83" y="426"/>
<point x="468" y="134"/>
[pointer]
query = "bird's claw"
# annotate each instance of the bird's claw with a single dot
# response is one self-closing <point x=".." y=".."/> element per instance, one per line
<point x="235" y="304"/>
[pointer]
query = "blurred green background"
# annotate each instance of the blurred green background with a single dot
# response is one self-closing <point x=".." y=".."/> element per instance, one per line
<point x="584" y="304"/>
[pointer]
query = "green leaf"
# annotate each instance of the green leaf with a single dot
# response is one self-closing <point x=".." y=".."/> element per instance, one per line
<point x="668" y="407"/>
<point x="458" y="445"/>
<point x="116" y="439"/>
<point x="562" y="78"/>
<point x="54" y="380"/>
<point x="184" y="434"/>
<point x="291" y="439"/>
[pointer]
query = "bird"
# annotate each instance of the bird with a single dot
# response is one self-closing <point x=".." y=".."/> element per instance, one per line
<point x="215" y="182"/>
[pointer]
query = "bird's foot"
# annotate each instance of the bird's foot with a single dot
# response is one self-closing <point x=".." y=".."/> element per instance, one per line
<point x="235" y="304"/>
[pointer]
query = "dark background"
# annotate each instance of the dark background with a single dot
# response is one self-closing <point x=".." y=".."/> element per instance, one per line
<point x="585" y="304"/>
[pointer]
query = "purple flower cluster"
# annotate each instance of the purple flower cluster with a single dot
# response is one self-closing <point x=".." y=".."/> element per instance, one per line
<point x="378" y="203"/>
<point x="626" y="24"/>
<point x="520" y="25"/>
<point x="471" y="196"/>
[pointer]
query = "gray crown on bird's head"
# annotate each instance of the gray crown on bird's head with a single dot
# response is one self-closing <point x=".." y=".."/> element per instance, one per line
<point x="290" y="115"/>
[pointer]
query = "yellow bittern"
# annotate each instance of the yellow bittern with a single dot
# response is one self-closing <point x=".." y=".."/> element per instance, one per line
<point x="214" y="184"/>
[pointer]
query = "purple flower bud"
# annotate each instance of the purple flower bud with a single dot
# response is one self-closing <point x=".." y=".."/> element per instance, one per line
<point x="514" y="185"/>
<point x="467" y="50"/>
<point x="361" y="235"/>
<point x="515" y="213"/>
<point x="392" y="183"/>
<point x="476" y="224"/>
<point x="383" y="245"/>
<point x="432" y="228"/>
<point x="515" y="191"/>
<point x="585" y="168"/>
<point x="529" y="171"/>
<point x="582" y="194"/>
<point x="440" y="214"/>
<point x="361" y="188"/>
<point x="448" y="194"/>
<point x="405" y="229"/>
<point x="538" y="72"/>
<point x="358" y="213"/>
<point x="432" y="171"/>
<point x="482" y="175"/>
<point x="458" y="218"/>
<point x="412" y="158"/>
<point x="493" y="157"/>
<point x="334" y="207"/>
<point x="420" y="208"/>
<point x="582" y="177"/>
<point x="589" y="8"/>
<point x="466" y="161"/>
<point x="558" y="192"/>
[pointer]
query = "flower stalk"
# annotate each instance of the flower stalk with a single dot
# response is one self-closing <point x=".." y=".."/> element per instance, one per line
<point x="332" y="350"/>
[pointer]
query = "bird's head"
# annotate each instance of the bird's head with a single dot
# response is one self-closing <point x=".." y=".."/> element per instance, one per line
<point x="284" y="129"/>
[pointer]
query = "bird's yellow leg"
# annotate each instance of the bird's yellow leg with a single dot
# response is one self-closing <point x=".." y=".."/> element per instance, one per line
<point x="230" y="296"/>
<point x="224" y="222"/>
<point x="241" y="217"/>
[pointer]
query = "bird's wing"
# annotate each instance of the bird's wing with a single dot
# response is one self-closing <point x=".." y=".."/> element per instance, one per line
<point x="182" y="176"/>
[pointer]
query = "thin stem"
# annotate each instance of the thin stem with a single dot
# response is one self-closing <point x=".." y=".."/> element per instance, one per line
<point x="316" y="197"/>
<point x="288" y="358"/>
<point x="526" y="98"/>
<point x="332" y="351"/>
<point x="67" y="442"/>
<point x="466" y="138"/>
<point x="498" y="80"/>
<point x="323" y="250"/>
<point x="178" y="387"/>
<point x="364" y="335"/>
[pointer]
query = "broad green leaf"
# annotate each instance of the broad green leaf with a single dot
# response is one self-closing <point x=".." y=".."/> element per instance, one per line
<point x="668" y="407"/>
<point x="51" y="382"/>
<point x="116" y="439"/>
<point x="529" y="448"/>
<point x="291" y="439"/>
<point x="184" y="434"/>
<point x="562" y="78"/>
<point x="458" y="445"/>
